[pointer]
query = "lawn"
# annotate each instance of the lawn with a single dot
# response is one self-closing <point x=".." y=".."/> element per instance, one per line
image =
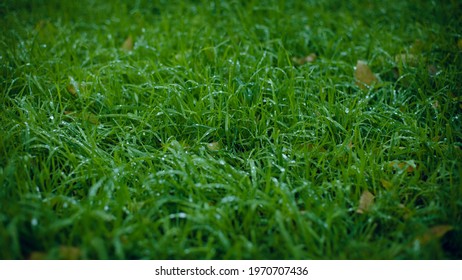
<point x="230" y="129"/>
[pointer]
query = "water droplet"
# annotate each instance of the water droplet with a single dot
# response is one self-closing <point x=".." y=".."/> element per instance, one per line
<point x="34" y="222"/>
<point x="106" y="207"/>
<point x="180" y="215"/>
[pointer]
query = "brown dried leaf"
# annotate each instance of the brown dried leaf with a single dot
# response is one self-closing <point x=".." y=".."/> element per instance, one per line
<point x="459" y="44"/>
<point x="365" y="202"/>
<point x="128" y="44"/>
<point x="364" y="76"/>
<point x="434" y="233"/>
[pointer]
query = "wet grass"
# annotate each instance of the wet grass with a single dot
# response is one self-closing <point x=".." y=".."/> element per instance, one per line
<point x="207" y="141"/>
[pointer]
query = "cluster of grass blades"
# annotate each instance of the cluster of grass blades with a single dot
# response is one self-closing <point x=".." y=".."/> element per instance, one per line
<point x="230" y="130"/>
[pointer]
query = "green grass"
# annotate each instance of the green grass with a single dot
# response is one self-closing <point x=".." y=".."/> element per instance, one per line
<point x="206" y="142"/>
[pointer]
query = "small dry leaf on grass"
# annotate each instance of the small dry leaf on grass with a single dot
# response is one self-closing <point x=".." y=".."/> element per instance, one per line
<point x="434" y="233"/>
<point x="365" y="202"/>
<point x="69" y="253"/>
<point x="37" y="256"/>
<point x="128" y="44"/>
<point x="303" y="60"/>
<point x="364" y="76"/>
<point x="90" y="117"/>
<point x="64" y="253"/>
<point x="73" y="87"/>
<point x="386" y="184"/>
<point x="407" y="59"/>
<point x="409" y="166"/>
<point x="214" y="146"/>
<point x="459" y="44"/>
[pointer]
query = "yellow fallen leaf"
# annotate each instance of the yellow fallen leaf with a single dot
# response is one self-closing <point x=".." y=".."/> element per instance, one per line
<point x="71" y="89"/>
<point x="386" y="184"/>
<point x="128" y="44"/>
<point x="434" y="233"/>
<point x="364" y="76"/>
<point x="365" y="202"/>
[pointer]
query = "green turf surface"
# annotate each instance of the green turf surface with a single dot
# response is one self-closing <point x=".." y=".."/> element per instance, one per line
<point x="208" y="137"/>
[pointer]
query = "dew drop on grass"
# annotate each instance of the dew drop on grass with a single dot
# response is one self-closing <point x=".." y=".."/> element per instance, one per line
<point x="34" y="222"/>
<point x="106" y="208"/>
<point x="228" y="199"/>
<point x="180" y="215"/>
